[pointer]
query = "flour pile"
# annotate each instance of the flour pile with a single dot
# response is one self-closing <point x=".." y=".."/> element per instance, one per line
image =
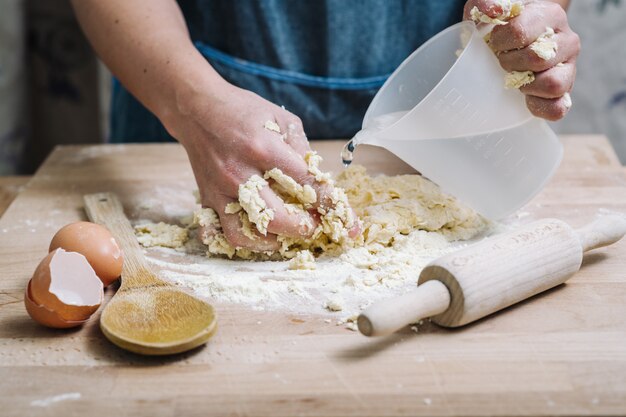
<point x="406" y="222"/>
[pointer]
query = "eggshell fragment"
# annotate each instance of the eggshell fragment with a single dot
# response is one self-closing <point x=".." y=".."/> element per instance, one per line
<point x="44" y="316"/>
<point x="66" y="284"/>
<point x="96" y="243"/>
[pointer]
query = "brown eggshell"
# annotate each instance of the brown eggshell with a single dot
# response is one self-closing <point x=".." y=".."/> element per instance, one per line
<point x="44" y="316"/>
<point x="96" y="243"/>
<point x="65" y="283"/>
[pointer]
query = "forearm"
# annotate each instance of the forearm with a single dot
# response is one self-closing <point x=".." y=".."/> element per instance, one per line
<point x="146" y="45"/>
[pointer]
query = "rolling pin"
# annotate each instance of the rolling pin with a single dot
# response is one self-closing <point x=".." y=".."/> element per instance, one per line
<point x="493" y="274"/>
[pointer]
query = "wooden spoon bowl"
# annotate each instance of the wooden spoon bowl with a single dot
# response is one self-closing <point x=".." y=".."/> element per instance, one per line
<point x="147" y="315"/>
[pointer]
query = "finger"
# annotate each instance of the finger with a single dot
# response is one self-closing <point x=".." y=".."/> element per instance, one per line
<point x="272" y="153"/>
<point x="291" y="126"/>
<point x="243" y="236"/>
<point x="526" y="59"/>
<point x="552" y="83"/>
<point x="331" y="200"/>
<point x="290" y="132"/>
<point x="551" y="109"/>
<point x="327" y="196"/>
<point x="524" y="29"/>
<point x="356" y="228"/>
<point x="282" y="156"/>
<point x="295" y="167"/>
<point x="290" y="223"/>
<point x="491" y="8"/>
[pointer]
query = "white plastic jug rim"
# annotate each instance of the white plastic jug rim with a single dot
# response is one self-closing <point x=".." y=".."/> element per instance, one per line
<point x="367" y="119"/>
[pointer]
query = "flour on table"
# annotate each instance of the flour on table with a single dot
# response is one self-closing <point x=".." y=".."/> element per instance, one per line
<point x="334" y="303"/>
<point x="303" y="260"/>
<point x="406" y="221"/>
<point x="545" y="46"/>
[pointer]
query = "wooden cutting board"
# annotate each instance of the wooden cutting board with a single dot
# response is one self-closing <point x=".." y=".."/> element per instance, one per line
<point x="563" y="352"/>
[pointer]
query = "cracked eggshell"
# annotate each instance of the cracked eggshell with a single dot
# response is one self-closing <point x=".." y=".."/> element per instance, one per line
<point x="64" y="283"/>
<point x="96" y="243"/>
<point x="44" y="316"/>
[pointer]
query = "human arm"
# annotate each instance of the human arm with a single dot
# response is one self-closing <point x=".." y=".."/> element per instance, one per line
<point x="548" y="95"/>
<point x="146" y="45"/>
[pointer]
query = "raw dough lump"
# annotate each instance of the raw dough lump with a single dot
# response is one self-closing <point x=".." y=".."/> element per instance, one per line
<point x="518" y="79"/>
<point x="545" y="47"/>
<point x="161" y="234"/>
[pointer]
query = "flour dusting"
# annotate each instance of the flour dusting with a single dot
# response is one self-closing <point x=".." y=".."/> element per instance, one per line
<point x="406" y="222"/>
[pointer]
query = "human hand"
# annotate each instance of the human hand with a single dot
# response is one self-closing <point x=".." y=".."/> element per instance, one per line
<point x="547" y="96"/>
<point x="227" y="140"/>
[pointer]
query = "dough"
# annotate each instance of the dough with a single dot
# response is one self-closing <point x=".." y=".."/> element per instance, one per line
<point x="510" y="9"/>
<point x="208" y="224"/>
<point x="161" y="234"/>
<point x="518" y="79"/>
<point x="273" y="126"/>
<point x="389" y="207"/>
<point x="545" y="47"/>
<point x="303" y="260"/>
<point x="255" y="207"/>
<point x="303" y="194"/>
<point x="232" y="208"/>
<point x="393" y="205"/>
<point x="313" y="160"/>
<point x="567" y="100"/>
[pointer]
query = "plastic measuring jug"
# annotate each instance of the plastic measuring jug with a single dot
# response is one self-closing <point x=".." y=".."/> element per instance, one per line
<point x="452" y="119"/>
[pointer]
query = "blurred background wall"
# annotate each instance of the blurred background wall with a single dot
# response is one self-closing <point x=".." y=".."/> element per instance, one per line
<point x="54" y="91"/>
<point x="49" y="90"/>
<point x="12" y="85"/>
<point x="599" y="94"/>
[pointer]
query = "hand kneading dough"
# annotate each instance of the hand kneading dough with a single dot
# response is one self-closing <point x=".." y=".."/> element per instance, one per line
<point x="388" y="206"/>
<point x="331" y="235"/>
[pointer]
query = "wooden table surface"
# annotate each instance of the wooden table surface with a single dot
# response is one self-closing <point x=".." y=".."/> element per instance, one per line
<point x="560" y="353"/>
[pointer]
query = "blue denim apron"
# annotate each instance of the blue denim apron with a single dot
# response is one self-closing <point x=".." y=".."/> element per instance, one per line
<point x="323" y="60"/>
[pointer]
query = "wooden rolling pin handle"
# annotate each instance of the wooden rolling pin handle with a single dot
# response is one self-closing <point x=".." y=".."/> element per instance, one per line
<point x="429" y="299"/>
<point x="602" y="232"/>
<point x="522" y="254"/>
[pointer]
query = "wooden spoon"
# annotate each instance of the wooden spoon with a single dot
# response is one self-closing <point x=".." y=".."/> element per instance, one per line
<point x="147" y="315"/>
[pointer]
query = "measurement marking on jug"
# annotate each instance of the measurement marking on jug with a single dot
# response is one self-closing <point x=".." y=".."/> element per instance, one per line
<point x="460" y="111"/>
<point x="521" y="160"/>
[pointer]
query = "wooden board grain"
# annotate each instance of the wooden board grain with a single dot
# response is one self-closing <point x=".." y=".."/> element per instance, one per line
<point x="560" y="353"/>
<point x="10" y="187"/>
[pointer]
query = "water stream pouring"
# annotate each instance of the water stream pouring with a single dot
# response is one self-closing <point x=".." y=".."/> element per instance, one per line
<point x="452" y="119"/>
